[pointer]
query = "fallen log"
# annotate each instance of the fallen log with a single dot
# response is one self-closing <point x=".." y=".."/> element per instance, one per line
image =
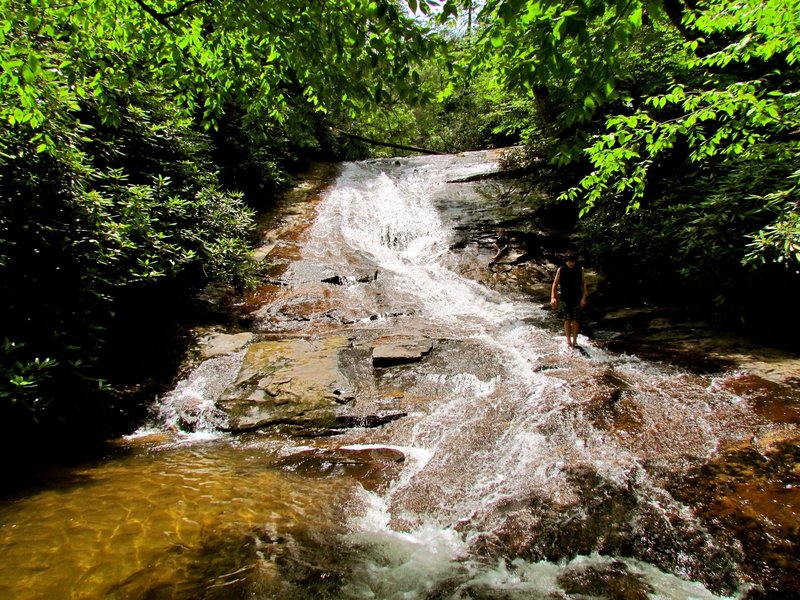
<point x="367" y="140"/>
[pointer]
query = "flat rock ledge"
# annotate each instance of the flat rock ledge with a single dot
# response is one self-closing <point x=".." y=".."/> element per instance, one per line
<point x="390" y="351"/>
<point x="299" y="384"/>
<point x="296" y="381"/>
<point x="216" y="344"/>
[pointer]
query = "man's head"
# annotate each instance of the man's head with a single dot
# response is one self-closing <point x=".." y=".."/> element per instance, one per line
<point x="571" y="257"/>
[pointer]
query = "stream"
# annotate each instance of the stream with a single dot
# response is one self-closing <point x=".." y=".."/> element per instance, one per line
<point x="498" y="464"/>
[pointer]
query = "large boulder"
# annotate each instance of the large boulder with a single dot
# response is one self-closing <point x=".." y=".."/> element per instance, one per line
<point x="288" y="381"/>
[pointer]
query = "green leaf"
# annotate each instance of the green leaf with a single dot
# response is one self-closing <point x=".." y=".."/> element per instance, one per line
<point x="558" y="30"/>
<point x="635" y="16"/>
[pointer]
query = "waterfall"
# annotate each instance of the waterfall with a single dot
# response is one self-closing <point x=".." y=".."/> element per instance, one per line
<point x="392" y="222"/>
<point x="519" y="443"/>
<point x="524" y="476"/>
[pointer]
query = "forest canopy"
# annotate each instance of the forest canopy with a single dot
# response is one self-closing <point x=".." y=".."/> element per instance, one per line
<point x="675" y="128"/>
<point x="139" y="136"/>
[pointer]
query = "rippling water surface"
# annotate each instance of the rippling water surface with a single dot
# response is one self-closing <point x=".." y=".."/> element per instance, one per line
<point x="520" y="470"/>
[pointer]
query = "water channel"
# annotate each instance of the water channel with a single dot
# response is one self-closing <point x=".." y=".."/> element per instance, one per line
<point x="499" y="465"/>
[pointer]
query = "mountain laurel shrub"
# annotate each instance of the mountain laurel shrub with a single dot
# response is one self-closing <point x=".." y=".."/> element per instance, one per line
<point x="122" y="219"/>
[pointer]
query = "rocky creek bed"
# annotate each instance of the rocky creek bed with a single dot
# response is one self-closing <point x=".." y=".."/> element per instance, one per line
<point x="318" y="366"/>
<point x="386" y="417"/>
<point x="666" y="334"/>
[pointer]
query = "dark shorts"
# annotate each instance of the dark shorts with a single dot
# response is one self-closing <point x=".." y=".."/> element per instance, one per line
<point x="570" y="312"/>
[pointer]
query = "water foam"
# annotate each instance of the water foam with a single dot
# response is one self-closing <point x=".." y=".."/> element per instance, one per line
<point x="393" y="223"/>
<point x="432" y="560"/>
<point x="190" y="408"/>
<point x="399" y="564"/>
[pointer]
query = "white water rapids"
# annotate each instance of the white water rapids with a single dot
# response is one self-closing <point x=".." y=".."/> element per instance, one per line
<point x="508" y="427"/>
<point x="525" y="470"/>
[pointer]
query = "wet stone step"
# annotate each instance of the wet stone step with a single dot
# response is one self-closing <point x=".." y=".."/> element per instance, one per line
<point x="372" y="467"/>
<point x="397" y="350"/>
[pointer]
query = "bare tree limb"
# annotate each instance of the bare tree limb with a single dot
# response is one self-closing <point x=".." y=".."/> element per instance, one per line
<point x="388" y="144"/>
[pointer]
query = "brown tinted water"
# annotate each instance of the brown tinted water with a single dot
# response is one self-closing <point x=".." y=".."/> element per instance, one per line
<point x="500" y="465"/>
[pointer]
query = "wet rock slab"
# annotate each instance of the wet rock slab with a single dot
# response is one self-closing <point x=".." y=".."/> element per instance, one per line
<point x="399" y="349"/>
<point x="288" y="381"/>
<point x="216" y="344"/>
<point x="750" y="493"/>
<point x="693" y="342"/>
<point x="372" y="467"/>
<point x="612" y="580"/>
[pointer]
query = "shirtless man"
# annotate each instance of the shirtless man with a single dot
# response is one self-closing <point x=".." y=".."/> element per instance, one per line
<point x="570" y="283"/>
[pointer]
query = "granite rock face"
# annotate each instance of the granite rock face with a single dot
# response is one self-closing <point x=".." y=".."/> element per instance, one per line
<point x="294" y="380"/>
<point x="224" y="343"/>
<point x="399" y="349"/>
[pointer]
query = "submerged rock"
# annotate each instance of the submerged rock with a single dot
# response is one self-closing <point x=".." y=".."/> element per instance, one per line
<point x="374" y="468"/>
<point x="612" y="580"/>
<point x="374" y="420"/>
<point x="347" y="280"/>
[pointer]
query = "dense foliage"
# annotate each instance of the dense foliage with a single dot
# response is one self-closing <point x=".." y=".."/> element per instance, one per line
<point x="682" y="123"/>
<point x="119" y="212"/>
<point x="136" y="136"/>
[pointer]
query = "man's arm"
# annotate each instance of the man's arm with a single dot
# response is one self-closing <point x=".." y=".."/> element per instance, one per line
<point x="584" y="291"/>
<point x="553" y="290"/>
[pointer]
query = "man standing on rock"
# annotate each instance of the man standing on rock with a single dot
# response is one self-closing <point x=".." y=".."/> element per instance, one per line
<point x="570" y="282"/>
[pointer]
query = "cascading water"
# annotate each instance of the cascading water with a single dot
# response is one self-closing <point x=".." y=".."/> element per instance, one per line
<point x="372" y="220"/>
<point x="527" y="471"/>
<point x="512" y="460"/>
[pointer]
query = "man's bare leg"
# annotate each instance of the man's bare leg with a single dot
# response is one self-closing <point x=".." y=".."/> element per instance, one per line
<point x="575" y="327"/>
